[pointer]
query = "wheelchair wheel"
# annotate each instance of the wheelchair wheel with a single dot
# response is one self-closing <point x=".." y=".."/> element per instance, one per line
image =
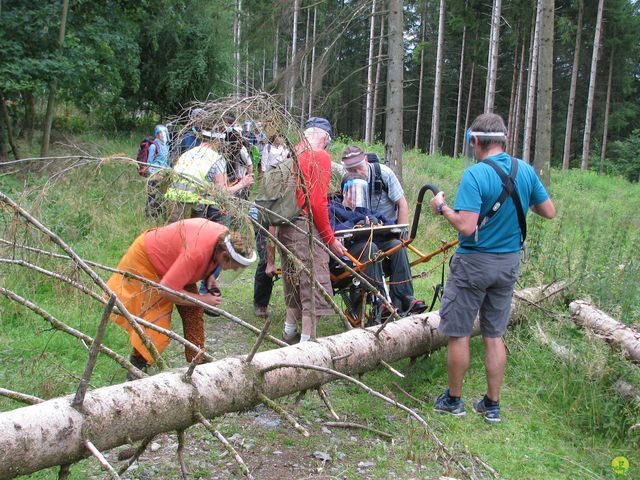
<point x="363" y="313"/>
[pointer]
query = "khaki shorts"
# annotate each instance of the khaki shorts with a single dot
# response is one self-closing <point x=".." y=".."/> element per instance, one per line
<point x="479" y="283"/>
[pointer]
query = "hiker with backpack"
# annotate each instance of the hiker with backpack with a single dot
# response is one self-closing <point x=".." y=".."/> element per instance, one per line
<point x="153" y="158"/>
<point x="195" y="171"/>
<point x="386" y="196"/>
<point x="490" y="215"/>
<point x="315" y="172"/>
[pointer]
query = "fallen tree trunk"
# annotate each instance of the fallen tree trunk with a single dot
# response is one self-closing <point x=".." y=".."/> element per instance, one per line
<point x="54" y="433"/>
<point x="622" y="336"/>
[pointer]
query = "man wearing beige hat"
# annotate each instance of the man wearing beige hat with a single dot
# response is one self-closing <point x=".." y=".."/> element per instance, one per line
<point x="387" y="198"/>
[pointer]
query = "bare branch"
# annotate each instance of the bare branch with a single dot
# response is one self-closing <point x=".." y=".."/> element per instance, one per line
<point x="226" y="444"/>
<point x="325" y="398"/>
<point x="93" y="355"/>
<point x="283" y="413"/>
<point x="103" y="461"/>
<point x="85" y="267"/>
<point x="20" y="397"/>
<point x="58" y="325"/>
<point x="385" y="435"/>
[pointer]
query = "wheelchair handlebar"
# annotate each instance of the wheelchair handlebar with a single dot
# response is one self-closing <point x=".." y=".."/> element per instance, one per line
<point x="416" y="217"/>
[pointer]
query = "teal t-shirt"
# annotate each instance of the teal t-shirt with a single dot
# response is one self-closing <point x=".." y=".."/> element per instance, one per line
<point x="479" y="189"/>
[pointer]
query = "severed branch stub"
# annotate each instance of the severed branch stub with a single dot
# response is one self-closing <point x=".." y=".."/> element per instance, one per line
<point x="283" y="413"/>
<point x="234" y="453"/>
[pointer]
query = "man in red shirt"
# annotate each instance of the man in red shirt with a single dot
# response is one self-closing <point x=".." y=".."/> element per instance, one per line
<point x="315" y="166"/>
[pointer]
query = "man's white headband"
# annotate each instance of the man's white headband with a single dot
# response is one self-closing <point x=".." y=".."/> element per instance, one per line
<point x="499" y="135"/>
<point x="244" y="261"/>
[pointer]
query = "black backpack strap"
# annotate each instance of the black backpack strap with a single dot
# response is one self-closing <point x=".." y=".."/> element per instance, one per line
<point x="376" y="184"/>
<point x="508" y="189"/>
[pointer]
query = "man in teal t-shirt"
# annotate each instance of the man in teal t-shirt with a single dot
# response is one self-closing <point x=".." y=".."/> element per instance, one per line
<point x="485" y="267"/>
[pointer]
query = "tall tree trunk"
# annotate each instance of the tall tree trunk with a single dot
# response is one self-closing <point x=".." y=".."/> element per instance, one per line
<point x="54" y="433"/>
<point x="423" y="23"/>
<point x="294" y="46"/>
<point x="460" y="83"/>
<point x="566" y="154"/>
<point x="246" y="72"/>
<point x="29" y="124"/>
<point x="435" y="114"/>
<point x="376" y="89"/>
<point x="393" y="141"/>
<point x="368" y="137"/>
<point x="605" y="128"/>
<point x="515" y="135"/>
<point x="512" y="97"/>
<point x="531" y="91"/>
<point x="236" y="45"/>
<point x="542" y="159"/>
<point x="275" y="52"/>
<point x="492" y="61"/>
<point x="586" y="140"/>
<point x="313" y="61"/>
<point x="305" y="77"/>
<point x="6" y="119"/>
<point x="48" y="118"/>
<point x="467" y="116"/>
<point x="264" y="69"/>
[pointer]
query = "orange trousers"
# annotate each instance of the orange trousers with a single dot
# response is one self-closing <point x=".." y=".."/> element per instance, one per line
<point x="144" y="301"/>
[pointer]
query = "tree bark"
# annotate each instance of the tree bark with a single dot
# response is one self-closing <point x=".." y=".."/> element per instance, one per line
<point x="492" y="61"/>
<point x="423" y="22"/>
<point x="368" y="137"/>
<point x="586" y="139"/>
<point x="605" y="128"/>
<point x="376" y="89"/>
<point x="393" y="138"/>
<point x="275" y="53"/>
<point x="515" y="128"/>
<point x="512" y="98"/>
<point x="313" y="61"/>
<point x="531" y="91"/>
<point x="544" y="110"/>
<point x="6" y="119"/>
<point x="53" y="433"/>
<point x="305" y="77"/>
<point x="566" y="154"/>
<point x="48" y="118"/>
<point x="460" y="84"/>
<point x="294" y="46"/>
<point x="435" y="114"/>
<point x="621" y="336"/>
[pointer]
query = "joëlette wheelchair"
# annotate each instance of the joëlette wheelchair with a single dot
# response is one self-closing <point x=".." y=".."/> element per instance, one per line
<point x="367" y="308"/>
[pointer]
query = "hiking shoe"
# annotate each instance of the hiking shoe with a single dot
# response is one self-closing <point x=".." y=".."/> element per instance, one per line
<point x="415" y="307"/>
<point x="261" y="311"/>
<point x="137" y="361"/>
<point x="491" y="413"/>
<point x="444" y="404"/>
<point x="292" y="338"/>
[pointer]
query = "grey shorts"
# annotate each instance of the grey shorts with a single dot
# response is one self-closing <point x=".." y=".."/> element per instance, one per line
<point x="479" y="282"/>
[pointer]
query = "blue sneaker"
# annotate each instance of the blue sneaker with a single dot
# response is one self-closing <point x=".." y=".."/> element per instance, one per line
<point x="491" y="414"/>
<point x="444" y="404"/>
